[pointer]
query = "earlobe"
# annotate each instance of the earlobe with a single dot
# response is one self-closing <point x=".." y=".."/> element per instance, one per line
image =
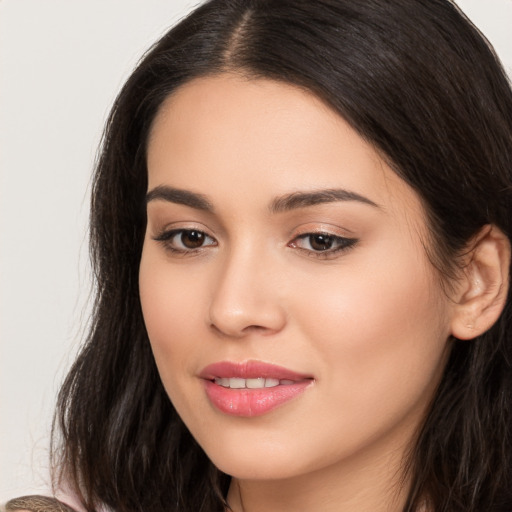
<point x="482" y="293"/>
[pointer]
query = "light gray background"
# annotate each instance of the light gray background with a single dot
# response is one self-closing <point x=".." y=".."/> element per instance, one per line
<point x="61" y="65"/>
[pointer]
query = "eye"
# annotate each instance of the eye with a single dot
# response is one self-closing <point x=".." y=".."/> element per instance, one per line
<point x="185" y="240"/>
<point x="322" y="243"/>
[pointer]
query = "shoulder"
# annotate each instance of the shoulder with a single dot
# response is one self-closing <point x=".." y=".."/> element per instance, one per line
<point x="37" y="503"/>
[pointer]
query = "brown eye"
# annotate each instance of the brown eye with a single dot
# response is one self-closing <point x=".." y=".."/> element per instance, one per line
<point x="192" y="239"/>
<point x="321" y="242"/>
<point x="185" y="240"/>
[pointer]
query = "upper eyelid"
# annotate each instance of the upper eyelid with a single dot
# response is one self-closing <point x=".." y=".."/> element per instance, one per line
<point x="170" y="232"/>
<point x="166" y="227"/>
<point x="322" y="229"/>
<point x="350" y="239"/>
<point x="326" y="233"/>
<point x="297" y="232"/>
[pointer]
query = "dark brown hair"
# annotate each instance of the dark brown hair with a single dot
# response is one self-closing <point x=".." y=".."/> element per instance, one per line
<point x="417" y="80"/>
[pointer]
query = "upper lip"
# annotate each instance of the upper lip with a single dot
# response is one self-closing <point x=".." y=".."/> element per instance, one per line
<point x="250" y="370"/>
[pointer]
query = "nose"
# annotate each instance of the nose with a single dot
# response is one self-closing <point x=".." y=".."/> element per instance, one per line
<point x="246" y="298"/>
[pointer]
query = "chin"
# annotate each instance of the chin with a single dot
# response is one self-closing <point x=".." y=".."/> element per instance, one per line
<point x="243" y="468"/>
<point x="255" y="459"/>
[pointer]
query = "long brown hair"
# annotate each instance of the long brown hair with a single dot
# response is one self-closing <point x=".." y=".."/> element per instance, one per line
<point x="417" y="80"/>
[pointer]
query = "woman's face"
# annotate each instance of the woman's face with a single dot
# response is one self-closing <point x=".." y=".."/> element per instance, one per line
<point x="295" y="319"/>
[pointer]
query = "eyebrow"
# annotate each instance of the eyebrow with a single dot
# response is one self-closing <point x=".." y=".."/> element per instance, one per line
<point x="179" y="196"/>
<point x="304" y="199"/>
<point x="292" y="201"/>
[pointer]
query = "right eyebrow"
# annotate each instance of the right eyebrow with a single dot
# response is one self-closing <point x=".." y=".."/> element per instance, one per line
<point x="179" y="196"/>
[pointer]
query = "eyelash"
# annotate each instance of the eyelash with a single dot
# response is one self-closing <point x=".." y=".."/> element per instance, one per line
<point x="167" y="238"/>
<point x="341" y="244"/>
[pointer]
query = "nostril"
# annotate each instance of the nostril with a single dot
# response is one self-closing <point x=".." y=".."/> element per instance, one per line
<point x="255" y="328"/>
<point x="243" y="313"/>
<point x="244" y="331"/>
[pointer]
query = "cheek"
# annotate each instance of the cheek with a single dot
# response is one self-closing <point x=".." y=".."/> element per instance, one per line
<point x="170" y="306"/>
<point x="377" y="312"/>
<point x="381" y="332"/>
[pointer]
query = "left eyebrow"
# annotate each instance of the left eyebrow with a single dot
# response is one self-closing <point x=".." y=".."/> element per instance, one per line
<point x="304" y="199"/>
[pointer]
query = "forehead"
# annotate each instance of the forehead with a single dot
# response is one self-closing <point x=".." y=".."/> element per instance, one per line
<point x="259" y="135"/>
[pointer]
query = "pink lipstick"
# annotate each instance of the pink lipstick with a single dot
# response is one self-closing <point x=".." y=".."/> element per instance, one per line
<point x="251" y="388"/>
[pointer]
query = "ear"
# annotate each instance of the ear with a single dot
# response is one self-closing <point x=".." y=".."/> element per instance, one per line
<point x="483" y="287"/>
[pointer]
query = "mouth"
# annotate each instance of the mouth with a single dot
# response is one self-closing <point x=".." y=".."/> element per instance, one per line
<point x="251" y="388"/>
<point x="257" y="383"/>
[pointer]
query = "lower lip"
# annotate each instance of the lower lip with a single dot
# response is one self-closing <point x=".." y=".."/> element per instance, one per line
<point x="252" y="402"/>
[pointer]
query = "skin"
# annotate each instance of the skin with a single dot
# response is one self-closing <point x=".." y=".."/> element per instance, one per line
<point x="369" y="323"/>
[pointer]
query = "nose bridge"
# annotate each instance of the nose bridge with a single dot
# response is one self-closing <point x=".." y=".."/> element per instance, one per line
<point x="244" y="298"/>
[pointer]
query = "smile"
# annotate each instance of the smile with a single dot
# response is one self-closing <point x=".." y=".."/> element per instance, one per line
<point x="251" y="388"/>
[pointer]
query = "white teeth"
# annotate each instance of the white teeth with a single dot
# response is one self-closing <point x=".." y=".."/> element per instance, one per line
<point x="236" y="383"/>
<point x="271" y="383"/>
<point x="257" y="383"/>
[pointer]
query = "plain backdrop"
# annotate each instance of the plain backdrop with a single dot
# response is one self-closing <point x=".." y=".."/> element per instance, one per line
<point x="61" y="64"/>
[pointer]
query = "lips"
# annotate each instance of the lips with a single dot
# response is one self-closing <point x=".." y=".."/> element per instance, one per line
<point x="251" y="388"/>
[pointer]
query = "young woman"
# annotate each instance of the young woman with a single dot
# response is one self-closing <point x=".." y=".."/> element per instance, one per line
<point x="301" y="226"/>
